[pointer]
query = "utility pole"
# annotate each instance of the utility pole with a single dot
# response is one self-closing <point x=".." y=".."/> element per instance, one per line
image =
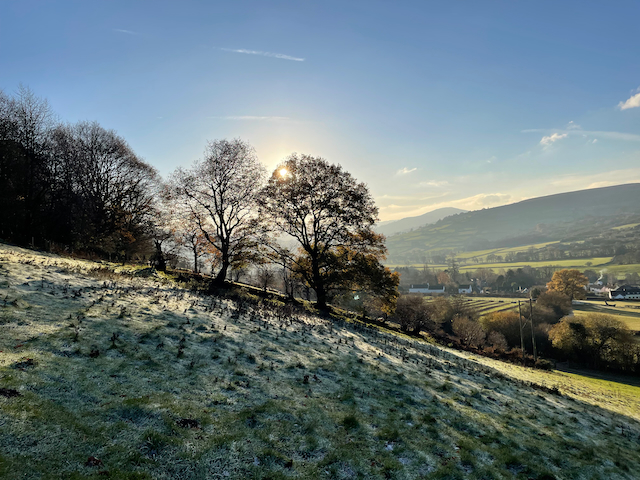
<point x="533" y="336"/>
<point x="521" y="332"/>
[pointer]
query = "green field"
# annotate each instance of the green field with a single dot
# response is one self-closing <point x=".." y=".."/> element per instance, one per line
<point x="486" y="305"/>
<point x="630" y="225"/>
<point x="481" y="254"/>
<point x="627" y="312"/>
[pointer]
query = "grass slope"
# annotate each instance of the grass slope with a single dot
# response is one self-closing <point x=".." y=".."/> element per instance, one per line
<point x="109" y="376"/>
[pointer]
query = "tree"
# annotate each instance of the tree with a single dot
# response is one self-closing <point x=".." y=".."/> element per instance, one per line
<point x="592" y="339"/>
<point x="413" y="314"/>
<point x="552" y="305"/>
<point x="220" y="193"/>
<point x="569" y="282"/>
<point x="107" y="191"/>
<point x="330" y="216"/>
<point x="468" y="331"/>
<point x="25" y="125"/>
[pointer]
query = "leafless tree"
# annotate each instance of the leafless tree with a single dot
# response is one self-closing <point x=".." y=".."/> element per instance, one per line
<point x="220" y="193"/>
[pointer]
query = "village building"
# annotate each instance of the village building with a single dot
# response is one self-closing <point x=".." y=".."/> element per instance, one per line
<point x="426" y="288"/>
<point x="625" y="292"/>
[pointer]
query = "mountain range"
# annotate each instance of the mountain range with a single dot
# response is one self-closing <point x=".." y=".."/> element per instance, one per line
<point x="540" y="219"/>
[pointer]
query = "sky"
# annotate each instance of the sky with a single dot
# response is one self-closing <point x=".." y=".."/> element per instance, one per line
<point x="431" y="104"/>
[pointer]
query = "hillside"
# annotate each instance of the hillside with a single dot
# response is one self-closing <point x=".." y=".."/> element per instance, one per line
<point x="536" y="220"/>
<point x="112" y="372"/>
<point x="408" y="223"/>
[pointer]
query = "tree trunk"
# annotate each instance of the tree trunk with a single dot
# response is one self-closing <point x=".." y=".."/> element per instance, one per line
<point x="222" y="274"/>
<point x="318" y="285"/>
<point x="195" y="259"/>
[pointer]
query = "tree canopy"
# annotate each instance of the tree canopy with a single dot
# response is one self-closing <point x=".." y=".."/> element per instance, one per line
<point x="330" y="215"/>
<point x="569" y="282"/>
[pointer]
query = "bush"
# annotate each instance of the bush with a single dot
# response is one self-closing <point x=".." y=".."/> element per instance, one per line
<point x="596" y="340"/>
<point x="497" y="341"/>
<point x="413" y="314"/>
<point x="505" y="323"/>
<point x="468" y="331"/>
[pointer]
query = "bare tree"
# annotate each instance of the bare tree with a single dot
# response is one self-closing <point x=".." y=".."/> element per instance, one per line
<point x="220" y="192"/>
<point x="112" y="191"/>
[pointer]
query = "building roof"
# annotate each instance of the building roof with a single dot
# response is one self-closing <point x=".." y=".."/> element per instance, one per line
<point x="625" y="289"/>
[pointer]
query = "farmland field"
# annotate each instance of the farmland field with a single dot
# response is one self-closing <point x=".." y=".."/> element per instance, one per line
<point x="486" y="305"/>
<point x="627" y="312"/>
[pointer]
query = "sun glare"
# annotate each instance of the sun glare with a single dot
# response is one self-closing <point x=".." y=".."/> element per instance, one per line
<point x="283" y="172"/>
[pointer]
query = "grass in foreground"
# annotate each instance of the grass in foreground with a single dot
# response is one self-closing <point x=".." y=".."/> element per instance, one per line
<point x="134" y="377"/>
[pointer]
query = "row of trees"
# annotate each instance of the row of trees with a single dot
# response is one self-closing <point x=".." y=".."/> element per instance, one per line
<point x="81" y="188"/>
<point x="310" y="217"/>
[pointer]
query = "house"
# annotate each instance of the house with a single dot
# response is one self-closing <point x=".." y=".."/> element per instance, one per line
<point x="426" y="288"/>
<point x="598" y="288"/>
<point x="465" y="289"/>
<point x="625" y="292"/>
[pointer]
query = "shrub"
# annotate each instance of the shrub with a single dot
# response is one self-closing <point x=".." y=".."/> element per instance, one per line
<point x="468" y="331"/>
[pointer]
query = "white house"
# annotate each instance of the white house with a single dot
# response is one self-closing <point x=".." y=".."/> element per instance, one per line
<point x="465" y="289"/>
<point x="425" y="288"/>
<point x="625" y="292"/>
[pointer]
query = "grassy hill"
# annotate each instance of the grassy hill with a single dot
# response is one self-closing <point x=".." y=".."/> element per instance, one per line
<point x="572" y="215"/>
<point x="110" y="372"/>
<point x="408" y="223"/>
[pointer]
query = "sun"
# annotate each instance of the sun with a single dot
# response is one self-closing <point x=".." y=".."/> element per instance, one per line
<point x="283" y="172"/>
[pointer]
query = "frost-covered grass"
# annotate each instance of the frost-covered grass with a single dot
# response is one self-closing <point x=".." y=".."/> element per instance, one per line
<point x="124" y="376"/>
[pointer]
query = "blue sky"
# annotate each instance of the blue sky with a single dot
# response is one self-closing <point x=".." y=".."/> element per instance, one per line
<point x="466" y="104"/>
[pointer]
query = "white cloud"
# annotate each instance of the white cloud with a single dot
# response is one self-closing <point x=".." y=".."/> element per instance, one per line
<point x="573" y="126"/>
<point x="631" y="102"/>
<point x="405" y="170"/>
<point x="628" y="137"/>
<point x="476" y="202"/>
<point x="128" y="32"/>
<point x="594" y="140"/>
<point x="595" y="180"/>
<point x="549" y="140"/>
<point x="483" y="200"/>
<point x="263" y="54"/>
<point x="434" y="183"/>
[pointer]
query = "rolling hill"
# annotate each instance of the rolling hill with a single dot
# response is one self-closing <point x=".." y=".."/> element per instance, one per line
<point x="408" y="223"/>
<point x="536" y="220"/>
<point x="111" y="372"/>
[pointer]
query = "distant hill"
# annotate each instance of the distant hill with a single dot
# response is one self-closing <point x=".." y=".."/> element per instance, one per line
<point x="539" y="219"/>
<point x="395" y="226"/>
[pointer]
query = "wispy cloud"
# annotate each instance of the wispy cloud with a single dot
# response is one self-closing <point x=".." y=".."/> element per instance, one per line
<point x="629" y="137"/>
<point x="551" y="139"/>
<point x="263" y="54"/>
<point x="596" y="180"/>
<point x="252" y="118"/>
<point x="128" y="32"/>
<point x="573" y="126"/>
<point x="406" y="170"/>
<point x="631" y="102"/>
<point x="475" y="202"/>
<point x="434" y="183"/>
